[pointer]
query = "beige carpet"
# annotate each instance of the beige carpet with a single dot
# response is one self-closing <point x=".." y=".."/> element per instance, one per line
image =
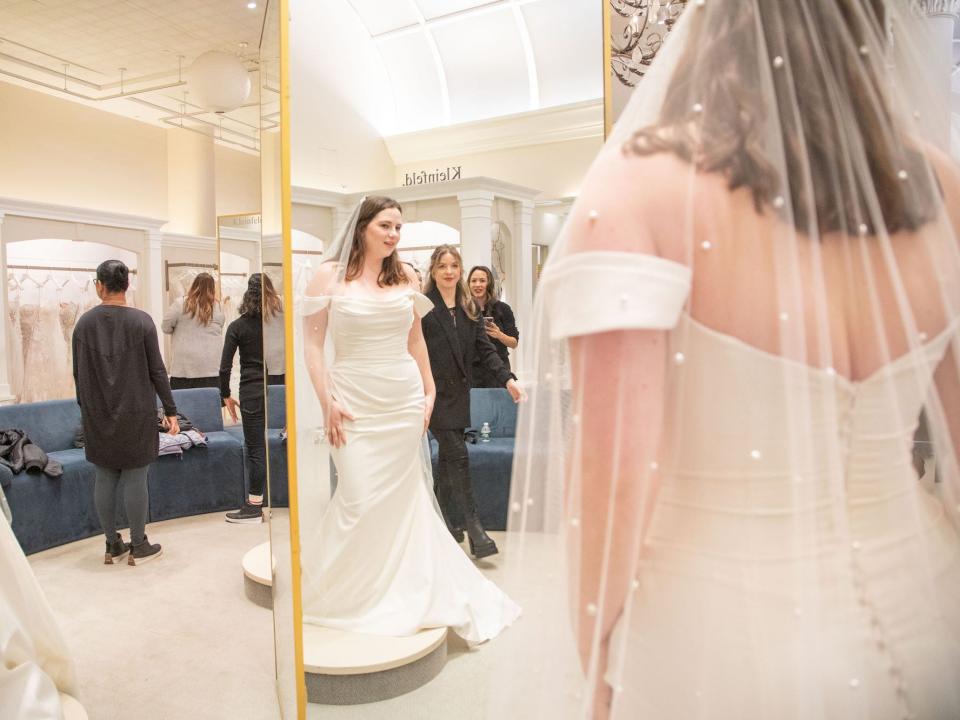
<point x="173" y="639"/>
<point x="176" y="638"/>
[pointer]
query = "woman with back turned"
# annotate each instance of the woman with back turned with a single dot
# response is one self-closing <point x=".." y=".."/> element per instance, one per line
<point x="754" y="298"/>
<point x="119" y="373"/>
<point x="261" y="304"/>
<point x="195" y="326"/>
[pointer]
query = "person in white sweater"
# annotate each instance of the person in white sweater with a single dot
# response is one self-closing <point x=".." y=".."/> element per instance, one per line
<point x="195" y="326"/>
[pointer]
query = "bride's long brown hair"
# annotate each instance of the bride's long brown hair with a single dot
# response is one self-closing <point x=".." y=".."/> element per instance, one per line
<point x="391" y="273"/>
<point x="715" y="114"/>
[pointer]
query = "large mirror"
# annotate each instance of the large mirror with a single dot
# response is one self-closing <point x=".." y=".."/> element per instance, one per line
<point x="473" y="127"/>
<point x="278" y="309"/>
<point x="133" y="136"/>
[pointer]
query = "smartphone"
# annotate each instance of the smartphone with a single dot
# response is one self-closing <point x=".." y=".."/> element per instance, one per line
<point x="488" y="319"/>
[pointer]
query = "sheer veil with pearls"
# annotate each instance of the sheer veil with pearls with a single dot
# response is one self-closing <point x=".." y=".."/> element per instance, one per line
<point x="752" y="311"/>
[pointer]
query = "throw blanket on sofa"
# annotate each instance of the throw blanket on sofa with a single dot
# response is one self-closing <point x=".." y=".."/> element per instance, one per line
<point x="19" y="453"/>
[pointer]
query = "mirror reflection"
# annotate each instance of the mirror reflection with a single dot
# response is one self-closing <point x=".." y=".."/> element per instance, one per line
<point x="431" y="172"/>
<point x="130" y="231"/>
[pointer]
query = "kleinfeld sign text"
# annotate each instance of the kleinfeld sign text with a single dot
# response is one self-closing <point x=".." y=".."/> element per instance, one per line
<point x="438" y="175"/>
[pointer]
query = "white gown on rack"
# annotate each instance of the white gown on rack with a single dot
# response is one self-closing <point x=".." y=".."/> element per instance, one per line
<point x="387" y="563"/>
<point x="16" y="345"/>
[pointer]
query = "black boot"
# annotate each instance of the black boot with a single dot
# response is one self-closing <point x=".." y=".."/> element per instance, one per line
<point x="143" y="552"/>
<point x="481" y="544"/>
<point x="116" y="551"/>
<point x="441" y="488"/>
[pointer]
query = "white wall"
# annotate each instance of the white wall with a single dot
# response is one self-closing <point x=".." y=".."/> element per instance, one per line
<point x="237" y="180"/>
<point x="337" y="81"/>
<point x="556" y="169"/>
<point x="57" y="151"/>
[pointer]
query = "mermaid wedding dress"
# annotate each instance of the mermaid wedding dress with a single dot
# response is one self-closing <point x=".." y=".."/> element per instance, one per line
<point x="387" y="564"/>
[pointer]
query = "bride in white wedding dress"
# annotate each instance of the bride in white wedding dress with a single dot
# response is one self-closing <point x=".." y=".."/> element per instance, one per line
<point x="755" y="299"/>
<point x="386" y="563"/>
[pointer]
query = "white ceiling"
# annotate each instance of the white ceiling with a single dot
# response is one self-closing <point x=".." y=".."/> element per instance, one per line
<point x="152" y="41"/>
<point x="456" y="61"/>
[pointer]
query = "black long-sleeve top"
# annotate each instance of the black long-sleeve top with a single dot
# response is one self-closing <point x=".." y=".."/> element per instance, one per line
<point x="502" y="315"/>
<point x="454" y="340"/>
<point x="246" y="334"/>
<point x="118" y="372"/>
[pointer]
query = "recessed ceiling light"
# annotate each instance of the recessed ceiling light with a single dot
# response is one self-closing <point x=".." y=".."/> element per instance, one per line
<point x="252" y="5"/>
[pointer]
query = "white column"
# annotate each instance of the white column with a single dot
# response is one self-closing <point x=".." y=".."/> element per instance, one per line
<point x="942" y="16"/>
<point x="6" y="397"/>
<point x="522" y="262"/>
<point x="152" y="275"/>
<point x="476" y="224"/>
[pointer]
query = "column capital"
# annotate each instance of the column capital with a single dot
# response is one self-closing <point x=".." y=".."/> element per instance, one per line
<point x="475" y="198"/>
<point x="934" y="8"/>
<point x="523" y="211"/>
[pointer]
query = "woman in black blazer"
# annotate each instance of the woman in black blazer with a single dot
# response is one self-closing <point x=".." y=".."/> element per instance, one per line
<point x="499" y="323"/>
<point x="455" y="338"/>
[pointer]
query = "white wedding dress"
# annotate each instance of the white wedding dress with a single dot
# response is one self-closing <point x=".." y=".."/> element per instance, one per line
<point x="386" y="563"/>
<point x="35" y="664"/>
<point x="790" y="609"/>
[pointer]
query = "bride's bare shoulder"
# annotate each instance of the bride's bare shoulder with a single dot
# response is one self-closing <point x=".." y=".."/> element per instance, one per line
<point x="628" y="201"/>
<point x="323" y="279"/>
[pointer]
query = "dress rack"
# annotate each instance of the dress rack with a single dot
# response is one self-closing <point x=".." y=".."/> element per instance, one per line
<point x="202" y="266"/>
<point x="61" y="269"/>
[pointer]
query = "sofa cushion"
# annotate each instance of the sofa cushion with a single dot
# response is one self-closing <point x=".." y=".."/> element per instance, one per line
<point x="48" y="512"/>
<point x="276" y="406"/>
<point x="494" y="406"/>
<point x="277" y="463"/>
<point x="51" y="424"/>
<point x="491" y="464"/>
<point x="203" y="480"/>
<point x="201" y="406"/>
<point x="6" y="476"/>
<point x="235" y="431"/>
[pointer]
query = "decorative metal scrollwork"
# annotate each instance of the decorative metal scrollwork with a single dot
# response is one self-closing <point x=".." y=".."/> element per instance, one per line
<point x="638" y="29"/>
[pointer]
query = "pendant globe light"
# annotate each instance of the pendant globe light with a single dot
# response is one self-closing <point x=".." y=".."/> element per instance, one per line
<point x="218" y="82"/>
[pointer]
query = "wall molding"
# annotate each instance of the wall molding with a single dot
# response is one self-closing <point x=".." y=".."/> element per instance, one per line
<point x="578" y="121"/>
<point x="88" y="216"/>
<point x="932" y="8"/>
<point x="190" y="242"/>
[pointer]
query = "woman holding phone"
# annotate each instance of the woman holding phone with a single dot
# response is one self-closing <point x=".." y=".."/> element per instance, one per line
<point x="498" y="322"/>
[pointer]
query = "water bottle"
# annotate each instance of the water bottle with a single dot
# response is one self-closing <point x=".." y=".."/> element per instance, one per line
<point x="485" y="432"/>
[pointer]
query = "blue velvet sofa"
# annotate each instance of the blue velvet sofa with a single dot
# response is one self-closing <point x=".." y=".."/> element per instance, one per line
<point x="48" y="512"/>
<point x="276" y="448"/>
<point x="491" y="463"/>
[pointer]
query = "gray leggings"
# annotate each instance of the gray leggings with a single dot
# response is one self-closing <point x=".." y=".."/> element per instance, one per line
<point x="133" y="483"/>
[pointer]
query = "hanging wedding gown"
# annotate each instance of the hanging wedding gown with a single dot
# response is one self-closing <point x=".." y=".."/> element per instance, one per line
<point x="16" y="344"/>
<point x="35" y="354"/>
<point x="69" y="312"/>
<point x="387" y="564"/>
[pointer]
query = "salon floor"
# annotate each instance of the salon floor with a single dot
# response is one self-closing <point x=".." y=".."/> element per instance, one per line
<point x="177" y="639"/>
<point x="457" y="692"/>
<point x="173" y="639"/>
